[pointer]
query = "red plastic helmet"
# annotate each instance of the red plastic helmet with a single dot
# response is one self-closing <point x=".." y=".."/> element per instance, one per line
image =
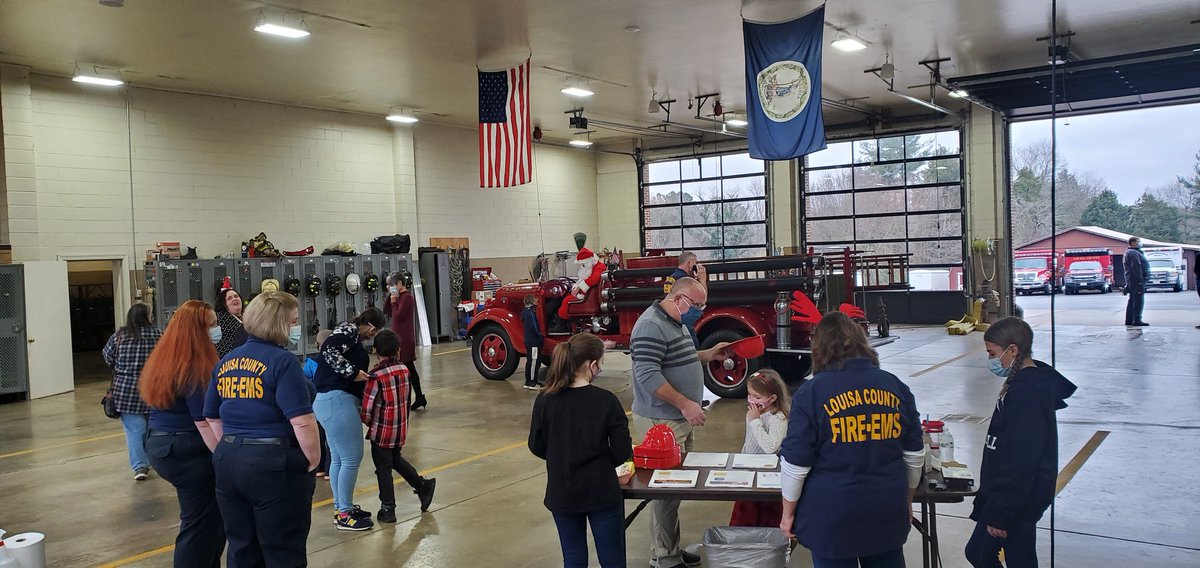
<point x="658" y="450"/>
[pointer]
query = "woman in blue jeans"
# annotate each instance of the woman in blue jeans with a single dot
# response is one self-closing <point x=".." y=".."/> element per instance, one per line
<point x="126" y="352"/>
<point x="340" y="377"/>
<point x="582" y="433"/>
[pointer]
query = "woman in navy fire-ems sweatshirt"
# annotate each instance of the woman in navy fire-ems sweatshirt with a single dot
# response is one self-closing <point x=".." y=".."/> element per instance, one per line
<point x="1020" y="453"/>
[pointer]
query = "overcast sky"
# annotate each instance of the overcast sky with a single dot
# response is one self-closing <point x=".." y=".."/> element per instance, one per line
<point x="1130" y="150"/>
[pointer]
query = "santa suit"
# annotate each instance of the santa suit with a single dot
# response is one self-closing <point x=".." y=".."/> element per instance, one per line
<point x="590" y="270"/>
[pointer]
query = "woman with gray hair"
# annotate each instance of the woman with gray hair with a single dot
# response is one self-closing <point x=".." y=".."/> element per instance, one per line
<point x="1020" y="453"/>
<point x="401" y="309"/>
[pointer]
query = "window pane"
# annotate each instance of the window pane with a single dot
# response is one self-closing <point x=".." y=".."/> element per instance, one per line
<point x="880" y="228"/>
<point x="746" y="235"/>
<point x="937" y="225"/>
<point x="663" y="217"/>
<point x="702" y="214"/>
<point x="662" y="194"/>
<point x="933" y="171"/>
<point x="866" y="151"/>
<point x="835" y="155"/>
<point x="712" y="254"/>
<point x="919" y="145"/>
<point x="732" y="253"/>
<point x="829" y="205"/>
<point x="879" y="176"/>
<point x="737" y="164"/>
<point x="689" y="169"/>
<point x="947" y="143"/>
<point x="662" y="171"/>
<point x="829" y="180"/>
<point x="937" y="252"/>
<point x="898" y="247"/>
<point x="744" y="187"/>
<point x="701" y="191"/>
<point x="745" y="211"/>
<point x="665" y="238"/>
<point x="891" y="201"/>
<point x="840" y="230"/>
<point x="891" y="148"/>
<point x="710" y="167"/>
<point x="933" y="198"/>
<point x="701" y="237"/>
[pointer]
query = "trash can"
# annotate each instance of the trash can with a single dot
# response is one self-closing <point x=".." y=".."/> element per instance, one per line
<point x="745" y="547"/>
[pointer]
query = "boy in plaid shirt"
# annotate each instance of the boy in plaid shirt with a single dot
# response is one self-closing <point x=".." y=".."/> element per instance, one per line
<point x="385" y="412"/>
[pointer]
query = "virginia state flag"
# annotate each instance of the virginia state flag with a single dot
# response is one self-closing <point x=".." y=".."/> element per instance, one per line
<point x="783" y="87"/>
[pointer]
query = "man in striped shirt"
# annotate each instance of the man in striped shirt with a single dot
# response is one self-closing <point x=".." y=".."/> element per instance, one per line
<point x="668" y="385"/>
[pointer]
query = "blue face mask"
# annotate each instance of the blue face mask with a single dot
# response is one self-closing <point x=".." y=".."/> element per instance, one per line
<point x="690" y="317"/>
<point x="997" y="367"/>
<point x="294" y="338"/>
<point x="214" y="333"/>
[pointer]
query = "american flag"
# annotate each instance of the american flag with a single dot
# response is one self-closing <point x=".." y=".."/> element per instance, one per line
<point x="504" y="135"/>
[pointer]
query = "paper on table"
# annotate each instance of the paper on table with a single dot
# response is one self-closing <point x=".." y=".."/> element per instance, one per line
<point x="769" y="480"/>
<point x="680" y="478"/>
<point x="733" y="478"/>
<point x="706" y="459"/>
<point x="755" y="461"/>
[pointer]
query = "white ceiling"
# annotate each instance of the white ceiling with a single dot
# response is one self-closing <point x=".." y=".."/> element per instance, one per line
<point x="372" y="55"/>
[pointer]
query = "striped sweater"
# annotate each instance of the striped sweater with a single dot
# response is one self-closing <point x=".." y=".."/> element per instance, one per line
<point x="663" y="352"/>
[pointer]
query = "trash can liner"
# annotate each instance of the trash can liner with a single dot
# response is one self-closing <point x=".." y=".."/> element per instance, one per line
<point x="745" y="547"/>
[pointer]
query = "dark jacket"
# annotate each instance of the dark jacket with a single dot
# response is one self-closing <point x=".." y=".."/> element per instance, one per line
<point x="583" y="435"/>
<point x="1020" y="453"/>
<point x="342" y="357"/>
<point x="1137" y="268"/>
<point x="533" y="331"/>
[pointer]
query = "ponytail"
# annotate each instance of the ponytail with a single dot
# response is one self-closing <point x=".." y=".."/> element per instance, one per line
<point x="568" y="357"/>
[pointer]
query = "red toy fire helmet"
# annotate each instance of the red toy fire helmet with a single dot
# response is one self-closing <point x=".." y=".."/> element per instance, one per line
<point x="658" y="450"/>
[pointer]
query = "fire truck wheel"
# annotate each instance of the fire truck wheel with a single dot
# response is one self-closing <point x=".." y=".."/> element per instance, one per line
<point x="727" y="378"/>
<point x="493" y="353"/>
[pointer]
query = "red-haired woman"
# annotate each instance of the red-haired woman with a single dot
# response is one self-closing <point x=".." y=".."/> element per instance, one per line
<point x="174" y="382"/>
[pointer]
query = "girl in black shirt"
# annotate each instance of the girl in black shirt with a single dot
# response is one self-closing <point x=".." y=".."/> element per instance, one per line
<point x="583" y="434"/>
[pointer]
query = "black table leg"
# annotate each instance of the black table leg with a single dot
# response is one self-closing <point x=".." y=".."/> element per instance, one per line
<point x="934" y="550"/>
<point x="925" y="538"/>
<point x="629" y="518"/>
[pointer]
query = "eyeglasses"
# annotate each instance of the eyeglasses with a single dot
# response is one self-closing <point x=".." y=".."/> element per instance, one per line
<point x="698" y="305"/>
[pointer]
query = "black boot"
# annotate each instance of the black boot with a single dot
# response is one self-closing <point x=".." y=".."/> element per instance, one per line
<point x="419" y="403"/>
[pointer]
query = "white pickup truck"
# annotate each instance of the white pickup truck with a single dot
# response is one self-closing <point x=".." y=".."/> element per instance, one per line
<point x="1167" y="270"/>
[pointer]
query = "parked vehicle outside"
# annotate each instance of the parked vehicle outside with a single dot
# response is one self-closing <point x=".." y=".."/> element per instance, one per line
<point x="1088" y="269"/>
<point x="1167" y="271"/>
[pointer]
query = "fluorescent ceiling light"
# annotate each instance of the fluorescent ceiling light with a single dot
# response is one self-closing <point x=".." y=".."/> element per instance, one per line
<point x="925" y="104"/>
<point x="581" y="143"/>
<point x="737" y="122"/>
<point x="959" y="94"/>
<point x="848" y="43"/>
<point x="93" y="80"/>
<point x="282" y="31"/>
<point x="577" y="91"/>
<point x="402" y="118"/>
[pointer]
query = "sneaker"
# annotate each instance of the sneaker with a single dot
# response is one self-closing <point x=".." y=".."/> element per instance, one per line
<point x="387" y="514"/>
<point x="426" y="493"/>
<point x="141" y="474"/>
<point x="1140" y="324"/>
<point x="358" y="513"/>
<point x="349" y="522"/>
<point x="531" y="386"/>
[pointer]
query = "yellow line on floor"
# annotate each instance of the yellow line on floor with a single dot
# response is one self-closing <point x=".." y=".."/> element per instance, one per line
<point x="318" y="504"/>
<point x="944" y="363"/>
<point x="449" y="352"/>
<point x="1068" y="473"/>
<point x="62" y="445"/>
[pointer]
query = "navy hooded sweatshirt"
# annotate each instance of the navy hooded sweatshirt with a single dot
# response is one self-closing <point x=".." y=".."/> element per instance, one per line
<point x="1020" y="454"/>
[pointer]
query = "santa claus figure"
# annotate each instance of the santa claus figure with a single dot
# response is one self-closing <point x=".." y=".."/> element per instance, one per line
<point x="590" y="270"/>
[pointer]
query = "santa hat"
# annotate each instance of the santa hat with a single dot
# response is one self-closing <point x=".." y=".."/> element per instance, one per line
<point x="584" y="254"/>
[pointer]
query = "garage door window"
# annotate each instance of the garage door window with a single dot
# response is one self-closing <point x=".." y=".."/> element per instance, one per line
<point x="715" y="206"/>
<point x="896" y="194"/>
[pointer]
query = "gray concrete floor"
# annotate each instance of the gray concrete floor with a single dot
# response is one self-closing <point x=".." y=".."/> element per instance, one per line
<point x="63" y="469"/>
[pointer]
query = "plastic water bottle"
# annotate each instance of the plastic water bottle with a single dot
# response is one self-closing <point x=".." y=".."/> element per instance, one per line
<point x="947" y="445"/>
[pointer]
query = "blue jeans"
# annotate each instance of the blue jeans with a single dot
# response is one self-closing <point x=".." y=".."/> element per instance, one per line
<point x="136" y="431"/>
<point x="608" y="530"/>
<point x="889" y="559"/>
<point x="338" y="413"/>
<point x="1020" y="548"/>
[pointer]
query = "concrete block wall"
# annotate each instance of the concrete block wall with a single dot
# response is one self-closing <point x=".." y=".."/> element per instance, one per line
<point x="617" y="203"/>
<point x="212" y="172"/>
<point x="502" y="222"/>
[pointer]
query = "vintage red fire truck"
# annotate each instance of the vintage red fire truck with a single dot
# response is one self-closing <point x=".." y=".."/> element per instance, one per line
<point x="746" y="297"/>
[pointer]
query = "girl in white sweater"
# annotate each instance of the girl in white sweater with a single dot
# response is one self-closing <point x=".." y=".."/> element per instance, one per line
<point x="767" y="408"/>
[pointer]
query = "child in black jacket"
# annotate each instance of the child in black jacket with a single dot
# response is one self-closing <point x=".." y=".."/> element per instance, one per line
<point x="533" y="342"/>
<point x="1020" y="454"/>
